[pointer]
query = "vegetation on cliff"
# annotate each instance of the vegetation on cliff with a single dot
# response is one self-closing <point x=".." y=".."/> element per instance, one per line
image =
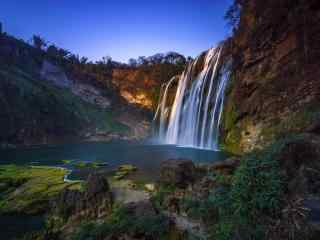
<point x="274" y="88"/>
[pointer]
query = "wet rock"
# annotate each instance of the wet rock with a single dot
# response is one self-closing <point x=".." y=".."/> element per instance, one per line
<point x="124" y="170"/>
<point x="150" y="187"/>
<point x="204" y="187"/>
<point x="96" y="201"/>
<point x="177" y="172"/>
<point x="275" y="72"/>
<point x="172" y="203"/>
<point x="227" y="166"/>
<point x="141" y="209"/>
<point x="300" y="163"/>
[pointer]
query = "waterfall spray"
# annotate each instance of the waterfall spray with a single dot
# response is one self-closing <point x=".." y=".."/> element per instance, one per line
<point x="195" y="116"/>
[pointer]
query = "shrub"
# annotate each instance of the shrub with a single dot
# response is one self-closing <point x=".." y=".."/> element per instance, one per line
<point x="121" y="221"/>
<point x="253" y="198"/>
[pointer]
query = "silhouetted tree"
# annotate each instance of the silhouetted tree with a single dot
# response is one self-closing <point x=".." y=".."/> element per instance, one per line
<point x="63" y="53"/>
<point x="38" y="42"/>
<point x="53" y="51"/>
<point x="133" y="62"/>
<point x="106" y="59"/>
<point x="142" y="60"/>
<point x="83" y="60"/>
<point x="232" y="15"/>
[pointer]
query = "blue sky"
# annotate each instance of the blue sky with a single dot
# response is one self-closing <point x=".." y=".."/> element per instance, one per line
<point x="120" y="28"/>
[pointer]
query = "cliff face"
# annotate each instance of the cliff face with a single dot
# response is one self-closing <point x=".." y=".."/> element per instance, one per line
<point x="44" y="102"/>
<point x="275" y="86"/>
<point x="141" y="85"/>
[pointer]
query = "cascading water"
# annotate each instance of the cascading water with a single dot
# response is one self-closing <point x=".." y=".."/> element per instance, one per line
<point x="195" y="115"/>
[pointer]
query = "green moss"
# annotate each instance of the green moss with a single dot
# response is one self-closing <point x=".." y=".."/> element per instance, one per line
<point x="29" y="188"/>
<point x="66" y="161"/>
<point x="123" y="171"/>
<point x="232" y="141"/>
<point x="232" y="133"/>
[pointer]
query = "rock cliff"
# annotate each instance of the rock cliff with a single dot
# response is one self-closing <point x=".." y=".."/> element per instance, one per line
<point x="275" y="77"/>
<point x="141" y="85"/>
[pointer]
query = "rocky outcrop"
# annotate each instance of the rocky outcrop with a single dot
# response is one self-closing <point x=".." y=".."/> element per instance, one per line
<point x="300" y="161"/>
<point x="54" y="74"/>
<point x="91" y="95"/>
<point x="95" y="202"/>
<point x="275" y="87"/>
<point x="141" y="85"/>
<point x="177" y="172"/>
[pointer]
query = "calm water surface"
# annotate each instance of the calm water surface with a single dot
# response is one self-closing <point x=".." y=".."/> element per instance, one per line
<point x="146" y="157"/>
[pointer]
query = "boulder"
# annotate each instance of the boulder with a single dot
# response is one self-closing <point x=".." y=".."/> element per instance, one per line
<point x="300" y="163"/>
<point x="141" y="209"/>
<point x="96" y="201"/>
<point x="227" y="166"/>
<point x="177" y="172"/>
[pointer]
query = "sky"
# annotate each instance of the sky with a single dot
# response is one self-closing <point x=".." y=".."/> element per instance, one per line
<point x="121" y="29"/>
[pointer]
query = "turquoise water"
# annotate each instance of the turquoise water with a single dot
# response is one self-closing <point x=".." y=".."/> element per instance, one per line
<point x="146" y="157"/>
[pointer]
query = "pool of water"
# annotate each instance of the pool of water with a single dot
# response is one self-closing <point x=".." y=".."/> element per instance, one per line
<point x="146" y="157"/>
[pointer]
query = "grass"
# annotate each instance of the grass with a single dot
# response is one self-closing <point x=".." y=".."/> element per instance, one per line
<point x="28" y="189"/>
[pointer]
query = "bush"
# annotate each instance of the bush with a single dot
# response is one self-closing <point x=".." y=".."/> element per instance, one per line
<point x="122" y="222"/>
<point x="252" y="199"/>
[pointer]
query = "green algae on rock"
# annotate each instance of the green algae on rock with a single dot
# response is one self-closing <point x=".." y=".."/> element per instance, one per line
<point x="28" y="189"/>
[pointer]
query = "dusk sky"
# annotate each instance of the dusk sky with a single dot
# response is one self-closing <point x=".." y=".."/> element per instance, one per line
<point x="121" y="29"/>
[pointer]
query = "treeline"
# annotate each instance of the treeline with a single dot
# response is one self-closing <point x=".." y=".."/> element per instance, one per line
<point x="30" y="55"/>
<point x="101" y="71"/>
<point x="60" y="53"/>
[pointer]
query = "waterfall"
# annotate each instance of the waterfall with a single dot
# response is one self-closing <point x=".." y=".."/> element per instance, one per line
<point x="195" y="115"/>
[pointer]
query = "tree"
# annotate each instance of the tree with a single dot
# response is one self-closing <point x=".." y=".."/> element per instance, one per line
<point x="142" y="60"/>
<point x="175" y="58"/>
<point x="83" y="60"/>
<point x="107" y="60"/>
<point x="189" y="59"/>
<point x="38" y="42"/>
<point x="133" y="62"/>
<point x="53" y="51"/>
<point x="232" y="15"/>
<point x="63" y="53"/>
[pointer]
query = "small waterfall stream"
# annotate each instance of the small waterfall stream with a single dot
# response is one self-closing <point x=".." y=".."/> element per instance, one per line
<point x="194" y="118"/>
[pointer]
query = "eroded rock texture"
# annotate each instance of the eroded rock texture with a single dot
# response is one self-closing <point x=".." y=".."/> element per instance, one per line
<point x="95" y="202"/>
<point x="275" y="84"/>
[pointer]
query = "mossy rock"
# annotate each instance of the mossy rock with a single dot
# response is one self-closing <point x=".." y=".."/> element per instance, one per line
<point x="127" y="168"/>
<point x="123" y="171"/>
<point x="29" y="189"/>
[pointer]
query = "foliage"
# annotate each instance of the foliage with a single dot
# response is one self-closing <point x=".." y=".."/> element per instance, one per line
<point x="255" y="195"/>
<point x="38" y="42"/>
<point x="121" y="221"/>
<point x="232" y="15"/>
<point x="159" y="196"/>
<point x="57" y="109"/>
<point x="159" y="58"/>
